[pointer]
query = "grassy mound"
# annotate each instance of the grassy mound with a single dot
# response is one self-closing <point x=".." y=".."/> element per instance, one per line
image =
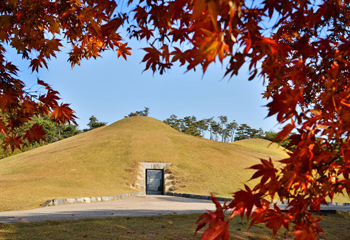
<point x="104" y="161"/>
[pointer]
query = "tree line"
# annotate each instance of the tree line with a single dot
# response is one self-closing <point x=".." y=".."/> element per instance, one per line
<point x="219" y="130"/>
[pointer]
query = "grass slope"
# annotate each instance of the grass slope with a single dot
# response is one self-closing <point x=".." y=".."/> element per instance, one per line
<point x="103" y="162"/>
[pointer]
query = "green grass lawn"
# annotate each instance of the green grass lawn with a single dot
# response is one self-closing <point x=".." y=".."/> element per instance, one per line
<point x="104" y="162"/>
<point x="177" y="227"/>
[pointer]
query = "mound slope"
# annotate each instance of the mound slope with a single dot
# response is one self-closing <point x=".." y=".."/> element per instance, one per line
<point x="104" y="162"/>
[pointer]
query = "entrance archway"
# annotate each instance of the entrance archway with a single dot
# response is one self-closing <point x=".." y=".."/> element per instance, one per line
<point x="153" y="179"/>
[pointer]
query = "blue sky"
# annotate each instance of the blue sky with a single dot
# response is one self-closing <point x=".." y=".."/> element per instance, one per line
<point x="110" y="88"/>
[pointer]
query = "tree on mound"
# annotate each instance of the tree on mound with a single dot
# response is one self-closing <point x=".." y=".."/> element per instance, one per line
<point x="144" y="112"/>
<point x="299" y="48"/>
<point x="94" y="123"/>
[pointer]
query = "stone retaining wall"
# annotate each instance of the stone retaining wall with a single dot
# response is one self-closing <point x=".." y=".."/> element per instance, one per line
<point x="57" y="201"/>
<point x="189" y="195"/>
<point x="206" y="197"/>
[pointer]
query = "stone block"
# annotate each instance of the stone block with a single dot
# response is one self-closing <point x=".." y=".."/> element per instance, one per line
<point x="87" y="200"/>
<point x="93" y="199"/>
<point x="58" y="202"/>
<point x="79" y="200"/>
<point x="112" y="198"/>
<point x="70" y="200"/>
<point x="99" y="199"/>
<point x="105" y="199"/>
<point x="168" y="182"/>
<point x="167" y="175"/>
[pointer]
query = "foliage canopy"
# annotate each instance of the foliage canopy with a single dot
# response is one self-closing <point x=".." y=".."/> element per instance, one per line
<point x="37" y="29"/>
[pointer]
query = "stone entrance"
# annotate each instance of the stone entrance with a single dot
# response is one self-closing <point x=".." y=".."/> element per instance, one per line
<point x="153" y="179"/>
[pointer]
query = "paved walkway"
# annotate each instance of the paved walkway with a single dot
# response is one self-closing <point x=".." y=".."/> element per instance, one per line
<point x="135" y="206"/>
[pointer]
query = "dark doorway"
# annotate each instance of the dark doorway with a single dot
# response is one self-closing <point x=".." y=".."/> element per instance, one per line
<point x="154" y="181"/>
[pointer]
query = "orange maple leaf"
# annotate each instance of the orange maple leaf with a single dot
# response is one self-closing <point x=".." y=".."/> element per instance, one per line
<point x="62" y="113"/>
<point x="123" y="50"/>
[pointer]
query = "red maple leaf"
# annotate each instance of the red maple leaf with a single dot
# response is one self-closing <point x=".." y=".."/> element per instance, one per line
<point x="275" y="218"/>
<point x="244" y="201"/>
<point x="36" y="133"/>
<point x="218" y="226"/>
<point x="266" y="170"/>
<point x="3" y="128"/>
<point x="13" y="142"/>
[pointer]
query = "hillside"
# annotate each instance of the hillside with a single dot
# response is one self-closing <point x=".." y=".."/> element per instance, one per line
<point x="103" y="162"/>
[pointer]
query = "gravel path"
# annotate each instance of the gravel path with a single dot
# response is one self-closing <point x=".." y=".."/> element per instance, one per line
<point x="135" y="206"/>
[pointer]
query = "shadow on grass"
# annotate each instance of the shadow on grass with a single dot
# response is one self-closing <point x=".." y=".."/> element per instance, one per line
<point x="165" y="227"/>
<point x="74" y="215"/>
